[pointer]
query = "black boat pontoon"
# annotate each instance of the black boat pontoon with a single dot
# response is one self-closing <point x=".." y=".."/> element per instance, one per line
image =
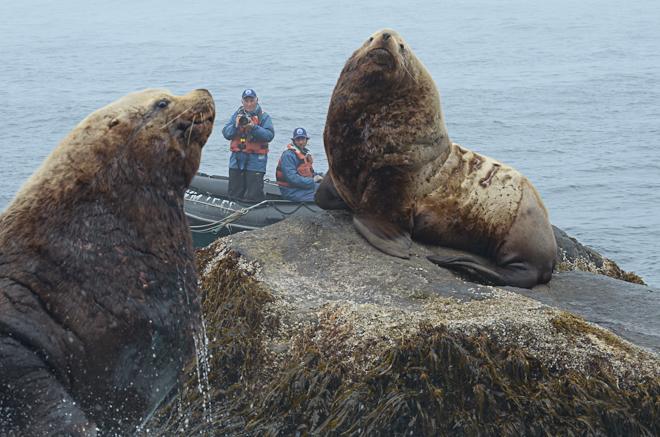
<point x="212" y="214"/>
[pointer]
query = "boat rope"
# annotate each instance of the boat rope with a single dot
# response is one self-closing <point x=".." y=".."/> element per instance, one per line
<point x="300" y="205"/>
<point x="215" y="226"/>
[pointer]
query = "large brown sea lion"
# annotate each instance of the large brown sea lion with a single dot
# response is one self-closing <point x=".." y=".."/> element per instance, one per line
<point x="392" y="163"/>
<point x="97" y="283"/>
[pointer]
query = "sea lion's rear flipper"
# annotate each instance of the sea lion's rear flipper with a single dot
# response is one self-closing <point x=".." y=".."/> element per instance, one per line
<point x="384" y="235"/>
<point x="470" y="266"/>
<point x="517" y="274"/>
<point x="327" y="196"/>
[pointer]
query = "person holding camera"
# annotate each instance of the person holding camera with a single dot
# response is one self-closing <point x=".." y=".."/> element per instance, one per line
<point x="295" y="175"/>
<point x="249" y="131"/>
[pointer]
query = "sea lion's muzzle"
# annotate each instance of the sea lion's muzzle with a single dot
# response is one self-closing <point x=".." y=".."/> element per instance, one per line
<point x="197" y="123"/>
<point x="198" y="120"/>
<point x="197" y="129"/>
<point x="381" y="57"/>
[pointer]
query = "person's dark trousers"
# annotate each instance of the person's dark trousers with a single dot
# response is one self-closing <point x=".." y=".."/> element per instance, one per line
<point x="254" y="191"/>
<point x="237" y="183"/>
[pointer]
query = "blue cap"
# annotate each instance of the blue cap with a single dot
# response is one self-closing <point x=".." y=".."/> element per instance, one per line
<point x="299" y="132"/>
<point x="249" y="93"/>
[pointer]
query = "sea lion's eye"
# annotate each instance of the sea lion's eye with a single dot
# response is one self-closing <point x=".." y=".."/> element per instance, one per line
<point x="163" y="103"/>
<point x="371" y="38"/>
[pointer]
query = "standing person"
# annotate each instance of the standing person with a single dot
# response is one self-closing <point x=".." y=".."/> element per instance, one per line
<point x="295" y="175"/>
<point x="250" y="130"/>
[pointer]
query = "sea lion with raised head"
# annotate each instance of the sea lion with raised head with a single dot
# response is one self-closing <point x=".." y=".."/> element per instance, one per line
<point x="98" y="297"/>
<point x="392" y="163"/>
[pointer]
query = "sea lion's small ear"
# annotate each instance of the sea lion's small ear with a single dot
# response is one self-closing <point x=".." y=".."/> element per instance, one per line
<point x="114" y="122"/>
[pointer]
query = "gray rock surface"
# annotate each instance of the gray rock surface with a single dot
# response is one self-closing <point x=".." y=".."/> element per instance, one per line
<point x="629" y="310"/>
<point x="322" y="259"/>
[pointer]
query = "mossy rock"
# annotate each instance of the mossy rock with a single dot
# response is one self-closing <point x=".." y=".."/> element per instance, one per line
<point x="319" y="334"/>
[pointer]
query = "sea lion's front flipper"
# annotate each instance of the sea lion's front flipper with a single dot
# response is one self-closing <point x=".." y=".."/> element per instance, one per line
<point x="384" y="235"/>
<point x="37" y="403"/>
<point x="327" y="196"/>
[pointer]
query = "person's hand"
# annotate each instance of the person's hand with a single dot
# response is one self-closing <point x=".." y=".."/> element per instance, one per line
<point x="318" y="178"/>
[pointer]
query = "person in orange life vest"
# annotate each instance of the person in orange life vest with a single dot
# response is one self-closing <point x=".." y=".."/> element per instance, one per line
<point x="295" y="175"/>
<point x="249" y="131"/>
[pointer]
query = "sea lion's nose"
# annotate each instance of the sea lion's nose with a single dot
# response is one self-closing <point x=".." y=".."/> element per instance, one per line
<point x="205" y="96"/>
<point x="202" y="90"/>
<point x="386" y="36"/>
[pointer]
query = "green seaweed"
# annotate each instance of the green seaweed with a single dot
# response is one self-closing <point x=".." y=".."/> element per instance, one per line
<point x="439" y="382"/>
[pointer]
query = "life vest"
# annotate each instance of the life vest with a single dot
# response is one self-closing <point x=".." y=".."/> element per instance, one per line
<point x="304" y="169"/>
<point x="240" y="143"/>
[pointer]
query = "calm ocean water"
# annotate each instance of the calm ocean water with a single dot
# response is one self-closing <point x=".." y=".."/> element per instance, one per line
<point x="567" y="93"/>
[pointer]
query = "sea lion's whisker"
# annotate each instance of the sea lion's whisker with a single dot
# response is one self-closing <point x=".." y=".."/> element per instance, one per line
<point x="403" y="65"/>
<point x="175" y="118"/>
<point x="192" y="126"/>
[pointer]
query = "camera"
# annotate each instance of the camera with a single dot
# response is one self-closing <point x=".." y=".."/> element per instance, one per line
<point x="243" y="118"/>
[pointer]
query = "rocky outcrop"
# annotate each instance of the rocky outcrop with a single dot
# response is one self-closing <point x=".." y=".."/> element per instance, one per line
<point x="312" y="331"/>
<point x="572" y="256"/>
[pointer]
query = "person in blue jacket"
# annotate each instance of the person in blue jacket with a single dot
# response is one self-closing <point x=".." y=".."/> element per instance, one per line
<point x="295" y="175"/>
<point x="249" y="131"/>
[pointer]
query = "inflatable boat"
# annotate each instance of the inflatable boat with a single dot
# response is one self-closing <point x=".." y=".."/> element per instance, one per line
<point x="212" y="214"/>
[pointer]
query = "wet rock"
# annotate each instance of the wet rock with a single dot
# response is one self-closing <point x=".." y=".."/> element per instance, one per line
<point x="314" y="332"/>
<point x="630" y="310"/>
